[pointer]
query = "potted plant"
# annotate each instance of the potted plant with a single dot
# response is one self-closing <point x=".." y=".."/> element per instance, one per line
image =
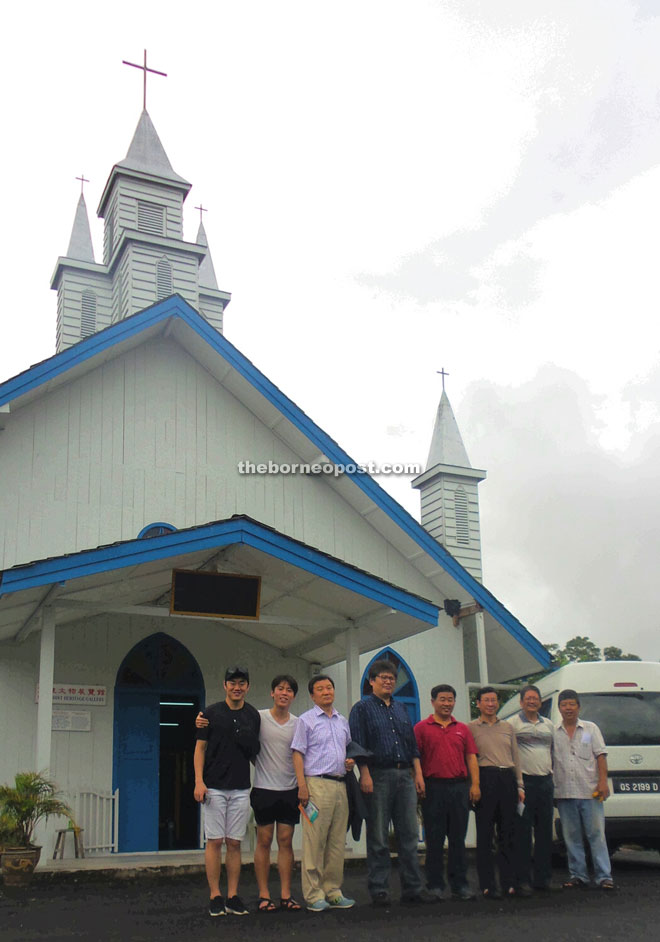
<point x="32" y="798"/>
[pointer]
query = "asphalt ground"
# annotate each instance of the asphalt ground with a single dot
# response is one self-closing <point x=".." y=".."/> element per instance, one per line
<point x="149" y="908"/>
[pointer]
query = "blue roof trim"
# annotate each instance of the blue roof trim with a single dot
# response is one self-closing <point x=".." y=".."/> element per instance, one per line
<point x="176" y="306"/>
<point x="209" y="537"/>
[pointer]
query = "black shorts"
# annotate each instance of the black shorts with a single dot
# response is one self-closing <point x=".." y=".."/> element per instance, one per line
<point x="270" y="806"/>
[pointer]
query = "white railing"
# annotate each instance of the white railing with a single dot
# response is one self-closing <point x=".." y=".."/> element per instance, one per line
<point x="98" y="814"/>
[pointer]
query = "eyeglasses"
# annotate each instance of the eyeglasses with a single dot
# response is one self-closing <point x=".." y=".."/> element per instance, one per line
<point x="386" y="678"/>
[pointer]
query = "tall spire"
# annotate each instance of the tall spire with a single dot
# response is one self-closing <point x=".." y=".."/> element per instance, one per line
<point x="207" y="277"/>
<point x="446" y="443"/>
<point x="448" y="492"/>
<point x="80" y="244"/>
<point x="146" y="154"/>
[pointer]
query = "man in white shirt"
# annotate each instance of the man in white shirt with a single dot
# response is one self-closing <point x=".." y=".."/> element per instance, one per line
<point x="580" y="772"/>
<point x="274" y="795"/>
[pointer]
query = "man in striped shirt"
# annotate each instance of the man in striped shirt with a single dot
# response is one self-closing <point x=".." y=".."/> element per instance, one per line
<point x="534" y="735"/>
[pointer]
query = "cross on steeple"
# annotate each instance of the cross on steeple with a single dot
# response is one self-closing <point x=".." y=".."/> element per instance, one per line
<point x="83" y="180"/>
<point x="144" y="69"/>
<point x="443" y="374"/>
<point x="202" y="209"/>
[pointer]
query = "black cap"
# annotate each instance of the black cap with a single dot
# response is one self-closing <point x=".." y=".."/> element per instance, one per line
<point x="232" y="673"/>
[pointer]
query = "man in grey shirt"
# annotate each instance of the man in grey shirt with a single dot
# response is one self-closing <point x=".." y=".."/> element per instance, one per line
<point x="580" y="769"/>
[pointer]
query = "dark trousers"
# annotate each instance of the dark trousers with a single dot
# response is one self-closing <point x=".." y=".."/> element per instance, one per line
<point x="495" y="815"/>
<point x="445" y="811"/>
<point x="535" y="870"/>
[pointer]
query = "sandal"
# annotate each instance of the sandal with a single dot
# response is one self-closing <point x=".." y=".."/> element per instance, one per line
<point x="290" y="903"/>
<point x="266" y="905"/>
<point x="573" y="884"/>
<point x="606" y="885"/>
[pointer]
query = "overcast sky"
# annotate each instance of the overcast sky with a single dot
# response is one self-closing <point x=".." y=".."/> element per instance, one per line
<point x="394" y="188"/>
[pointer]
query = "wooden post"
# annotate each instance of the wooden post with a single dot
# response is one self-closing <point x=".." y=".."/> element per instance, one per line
<point x="46" y="677"/>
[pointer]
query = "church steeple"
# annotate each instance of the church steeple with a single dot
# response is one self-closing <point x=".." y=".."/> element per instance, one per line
<point x="448" y="492"/>
<point x="145" y="257"/>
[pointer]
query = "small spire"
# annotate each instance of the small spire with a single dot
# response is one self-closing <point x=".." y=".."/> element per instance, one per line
<point x="207" y="277"/>
<point x="446" y="444"/>
<point x="80" y="244"/>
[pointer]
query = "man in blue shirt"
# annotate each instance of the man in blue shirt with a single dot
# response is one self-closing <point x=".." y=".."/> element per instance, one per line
<point x="391" y="779"/>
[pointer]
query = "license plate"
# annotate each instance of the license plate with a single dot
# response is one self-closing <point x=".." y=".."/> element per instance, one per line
<point x="636" y="786"/>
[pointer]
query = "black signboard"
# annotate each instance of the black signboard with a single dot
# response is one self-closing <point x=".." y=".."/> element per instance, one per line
<point x="218" y="594"/>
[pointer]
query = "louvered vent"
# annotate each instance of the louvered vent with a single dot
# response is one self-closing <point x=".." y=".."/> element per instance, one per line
<point x="163" y="280"/>
<point x="88" y="314"/>
<point x="461" y="513"/>
<point x="150" y="217"/>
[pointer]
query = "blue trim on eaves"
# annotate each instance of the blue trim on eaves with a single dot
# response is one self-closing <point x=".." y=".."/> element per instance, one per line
<point x="177" y="307"/>
<point x="207" y="538"/>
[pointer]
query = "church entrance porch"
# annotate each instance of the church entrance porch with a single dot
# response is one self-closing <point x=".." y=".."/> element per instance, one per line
<point x="102" y="617"/>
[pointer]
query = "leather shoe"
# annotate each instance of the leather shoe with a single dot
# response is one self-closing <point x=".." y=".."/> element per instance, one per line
<point x="464" y="896"/>
<point x="418" y="899"/>
<point x="381" y="899"/>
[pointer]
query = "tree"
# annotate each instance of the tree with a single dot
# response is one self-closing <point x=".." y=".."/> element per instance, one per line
<point x="578" y="649"/>
<point x="581" y="648"/>
<point x="613" y="653"/>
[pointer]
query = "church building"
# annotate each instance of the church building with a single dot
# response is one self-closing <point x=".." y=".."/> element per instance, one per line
<point x="140" y="554"/>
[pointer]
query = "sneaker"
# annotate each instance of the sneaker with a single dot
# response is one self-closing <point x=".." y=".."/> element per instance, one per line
<point x="217" y="906"/>
<point x="341" y="902"/>
<point x="381" y="899"/>
<point x="319" y="906"/>
<point x="236" y="906"/>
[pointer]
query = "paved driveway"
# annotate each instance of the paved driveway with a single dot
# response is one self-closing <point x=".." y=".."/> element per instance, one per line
<point x="151" y="909"/>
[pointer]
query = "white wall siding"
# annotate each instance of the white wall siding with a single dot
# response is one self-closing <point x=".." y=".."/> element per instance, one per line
<point x="152" y="436"/>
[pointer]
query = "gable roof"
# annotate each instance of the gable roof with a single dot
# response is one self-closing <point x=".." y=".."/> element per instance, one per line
<point x="215" y="352"/>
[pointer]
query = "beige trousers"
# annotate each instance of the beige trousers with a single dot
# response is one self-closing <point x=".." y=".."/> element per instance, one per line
<point x="324" y="840"/>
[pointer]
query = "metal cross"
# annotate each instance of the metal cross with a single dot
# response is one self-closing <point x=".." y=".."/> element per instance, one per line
<point x="202" y="209"/>
<point x="144" y="69"/>
<point x="83" y="180"/>
<point x="443" y="374"/>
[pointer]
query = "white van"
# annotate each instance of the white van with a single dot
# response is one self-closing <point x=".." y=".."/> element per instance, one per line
<point x="623" y="699"/>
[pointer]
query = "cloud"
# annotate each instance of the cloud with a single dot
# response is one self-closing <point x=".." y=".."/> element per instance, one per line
<point x="590" y="125"/>
<point x="570" y="530"/>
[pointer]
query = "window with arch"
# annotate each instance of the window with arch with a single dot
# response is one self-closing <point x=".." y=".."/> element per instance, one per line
<point x="405" y="691"/>
<point x="163" y="279"/>
<point x="155" y="529"/>
<point x="462" y="518"/>
<point x="88" y="314"/>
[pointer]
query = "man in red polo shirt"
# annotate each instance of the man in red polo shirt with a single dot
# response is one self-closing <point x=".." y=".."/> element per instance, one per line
<point x="449" y="756"/>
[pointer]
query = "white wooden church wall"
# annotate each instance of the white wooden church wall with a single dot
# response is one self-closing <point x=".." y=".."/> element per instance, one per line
<point x="152" y="436"/>
<point x="91" y="651"/>
<point x="434" y="657"/>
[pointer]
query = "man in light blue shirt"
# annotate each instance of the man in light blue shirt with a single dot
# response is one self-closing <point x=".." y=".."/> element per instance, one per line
<point x="319" y="759"/>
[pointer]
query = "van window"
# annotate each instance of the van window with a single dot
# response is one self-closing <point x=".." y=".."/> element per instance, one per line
<point x="624" y="719"/>
<point x="546" y="707"/>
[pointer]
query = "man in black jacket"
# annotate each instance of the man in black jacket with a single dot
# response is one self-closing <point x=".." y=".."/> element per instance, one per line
<point x="223" y="752"/>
